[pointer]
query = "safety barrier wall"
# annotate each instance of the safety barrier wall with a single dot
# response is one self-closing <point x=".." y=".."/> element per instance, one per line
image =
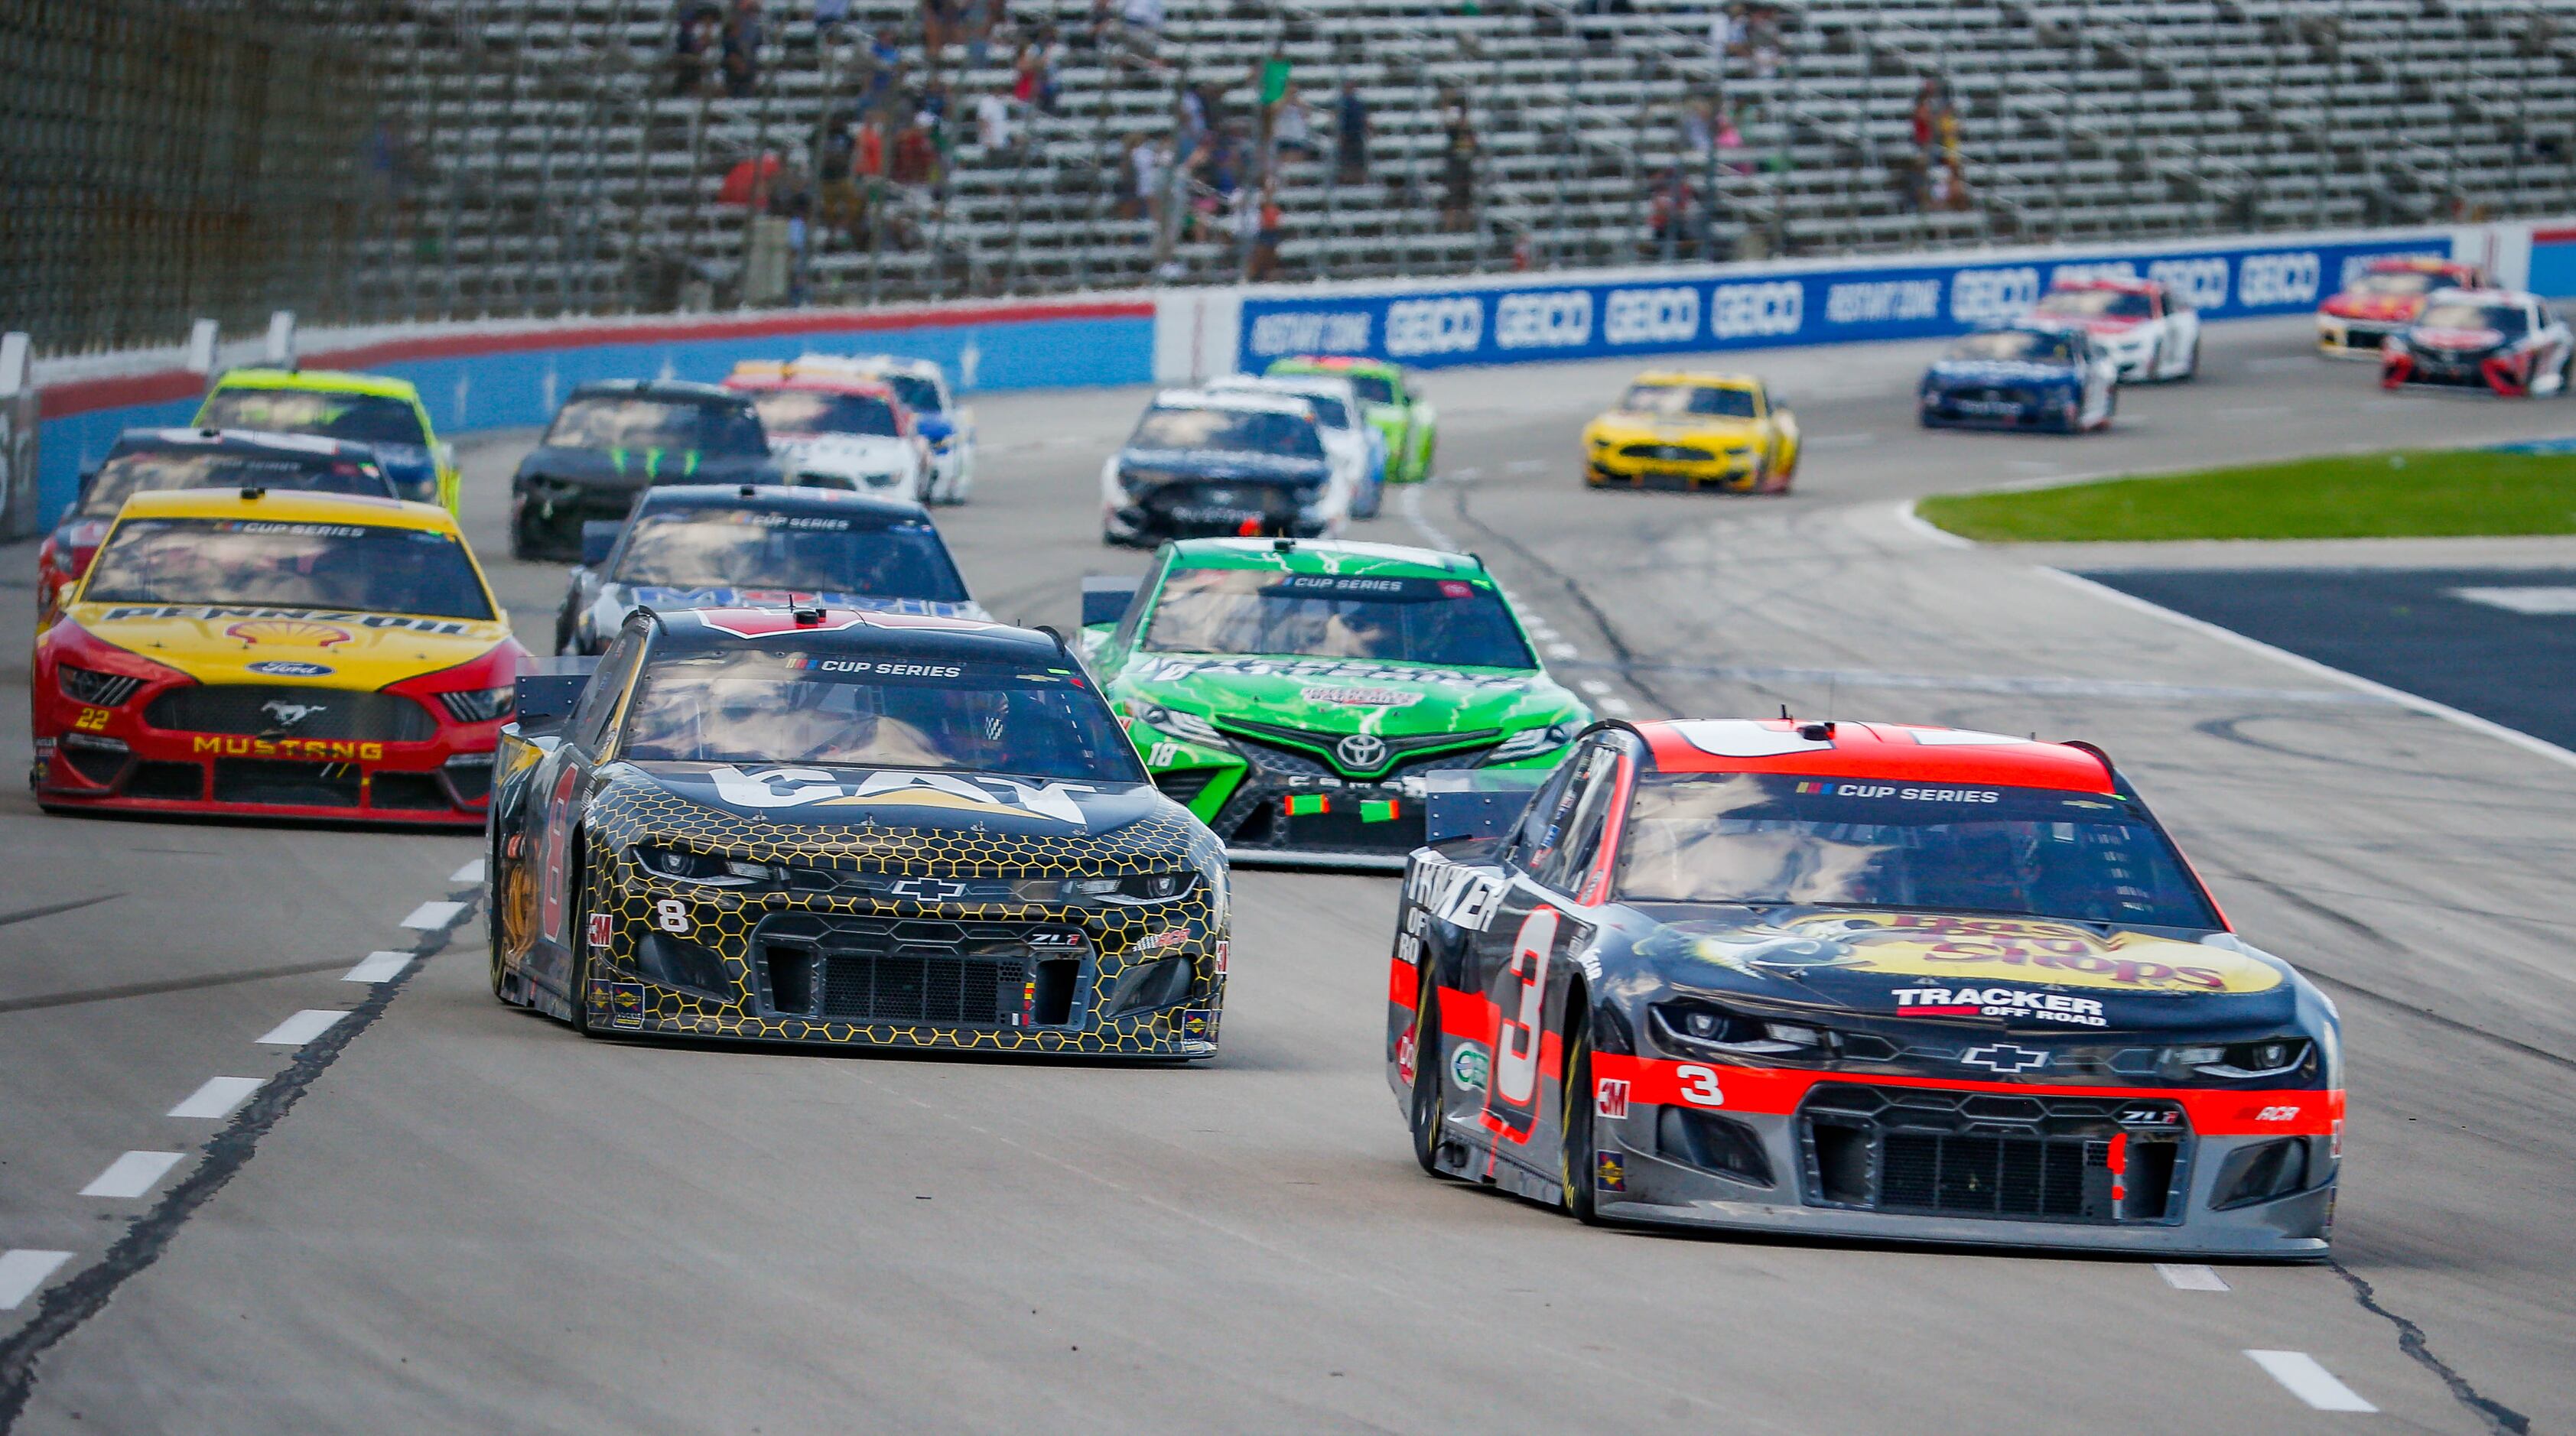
<point x="497" y="376"/>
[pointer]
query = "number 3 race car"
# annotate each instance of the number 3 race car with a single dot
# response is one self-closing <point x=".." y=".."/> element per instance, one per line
<point x="828" y="826"/>
<point x="1857" y="980"/>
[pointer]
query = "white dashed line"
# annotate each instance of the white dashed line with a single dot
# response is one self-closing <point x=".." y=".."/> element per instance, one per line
<point x="1617" y="707"/>
<point x="218" y="1098"/>
<point x="303" y="1027"/>
<point x="379" y="967"/>
<point x="1563" y="650"/>
<point x="131" y="1175"/>
<point x="1410" y="505"/>
<point x="22" y="1270"/>
<point x="2184" y="1276"/>
<point x="1593" y="686"/>
<point x="2310" y="1382"/>
<point x="2541" y="602"/>
<point x="470" y="873"/>
<point x="433" y="915"/>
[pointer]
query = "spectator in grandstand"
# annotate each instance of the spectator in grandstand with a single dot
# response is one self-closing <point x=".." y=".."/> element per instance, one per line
<point x="700" y="25"/>
<point x="1143" y="22"/>
<point x="1351" y="135"/>
<point x="1694" y="129"/>
<point x="1263" y="262"/>
<point x="1927" y="102"/>
<point x="1730" y="144"/>
<point x="1672" y="213"/>
<point x="742" y="40"/>
<point x="1046" y="58"/>
<point x="993" y="127"/>
<point x="829" y="17"/>
<point x="1762" y="39"/>
<point x="1292" y="126"/>
<point x="1458" y="172"/>
<point x="916" y="153"/>
<point x="1725" y="36"/>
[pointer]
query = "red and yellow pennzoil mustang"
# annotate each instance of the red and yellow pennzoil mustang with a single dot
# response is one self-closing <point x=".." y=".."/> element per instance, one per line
<point x="1856" y="980"/>
<point x="274" y="654"/>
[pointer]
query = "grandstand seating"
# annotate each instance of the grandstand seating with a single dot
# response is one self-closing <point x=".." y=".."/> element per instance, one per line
<point x="559" y="171"/>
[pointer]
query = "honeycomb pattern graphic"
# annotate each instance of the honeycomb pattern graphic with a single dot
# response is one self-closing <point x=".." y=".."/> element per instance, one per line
<point x="633" y="810"/>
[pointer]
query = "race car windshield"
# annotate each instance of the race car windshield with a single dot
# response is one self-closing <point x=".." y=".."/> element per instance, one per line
<point x="619" y="422"/>
<point x="1373" y="388"/>
<point x="2504" y="319"/>
<point x="817" y="553"/>
<point x="359" y="418"/>
<point x="1257" y="431"/>
<point x="359" y="567"/>
<point x="1676" y="401"/>
<point x="1450" y="622"/>
<point x="810" y="411"/>
<point x="1761" y="839"/>
<point x="2097" y="304"/>
<point x="2015" y="346"/>
<point x="2394" y="283"/>
<point x="1329" y="409"/>
<point x="144" y="471"/>
<point x="849" y="710"/>
<point x="918" y="394"/>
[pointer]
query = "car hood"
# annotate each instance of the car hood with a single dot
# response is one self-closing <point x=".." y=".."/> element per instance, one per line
<point x="2360" y="306"/>
<point x="666" y="598"/>
<point x="1620" y="425"/>
<point x="1336" y="696"/>
<point x="638" y="468"/>
<point x="328" y="648"/>
<point x="871" y="453"/>
<point x="891" y="802"/>
<point x="1223" y="464"/>
<point x="2024" y="974"/>
<point x="1998" y="371"/>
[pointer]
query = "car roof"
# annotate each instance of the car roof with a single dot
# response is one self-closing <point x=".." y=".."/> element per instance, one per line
<point x="876" y="363"/>
<point x="778" y="499"/>
<point x="2418" y="264"/>
<point x="1340" y="363"/>
<point x="281" y="506"/>
<point x="682" y="391"/>
<point x="320" y="381"/>
<point x="1897" y="752"/>
<point x="1253" y="401"/>
<point x="1384" y="560"/>
<point x="1337" y="386"/>
<point x="2468" y="294"/>
<point x="1699" y="377"/>
<point x="849" y="630"/>
<point x="752" y="376"/>
<point x="245" y="441"/>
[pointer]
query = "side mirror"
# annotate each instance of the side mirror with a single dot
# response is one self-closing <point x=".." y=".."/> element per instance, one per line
<point x="598" y="540"/>
<point x="1105" y="599"/>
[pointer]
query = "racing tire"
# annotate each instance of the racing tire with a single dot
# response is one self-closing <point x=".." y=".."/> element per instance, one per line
<point x="2155" y="361"/>
<point x="492" y="919"/>
<point x="2191" y="366"/>
<point x="1574" y="1151"/>
<point x="1423" y="1105"/>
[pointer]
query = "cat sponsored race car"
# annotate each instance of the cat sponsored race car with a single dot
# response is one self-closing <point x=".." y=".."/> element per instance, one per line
<point x="716" y="546"/>
<point x="822" y="825"/>
<point x="2502" y="341"/>
<point x="1297" y="695"/>
<point x="1855" y="980"/>
<point x="270" y="654"/>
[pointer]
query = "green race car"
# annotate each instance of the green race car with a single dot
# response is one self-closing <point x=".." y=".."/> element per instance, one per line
<point x="1411" y="426"/>
<point x="1299" y="697"/>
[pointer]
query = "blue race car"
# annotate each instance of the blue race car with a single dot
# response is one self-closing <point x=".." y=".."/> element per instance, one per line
<point x="2022" y="377"/>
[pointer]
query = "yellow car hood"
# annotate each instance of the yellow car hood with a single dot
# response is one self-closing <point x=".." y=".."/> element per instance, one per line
<point x="1625" y="428"/>
<point x="325" y="648"/>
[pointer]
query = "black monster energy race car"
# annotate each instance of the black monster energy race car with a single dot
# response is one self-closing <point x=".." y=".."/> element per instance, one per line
<point x="825" y="825"/>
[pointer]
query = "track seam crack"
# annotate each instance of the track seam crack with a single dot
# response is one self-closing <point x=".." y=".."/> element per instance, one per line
<point x="66" y="1306"/>
<point x="1625" y="659"/>
<point x="2410" y="1339"/>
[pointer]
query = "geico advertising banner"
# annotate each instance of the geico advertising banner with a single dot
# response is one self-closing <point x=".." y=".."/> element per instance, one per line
<point x="1645" y="316"/>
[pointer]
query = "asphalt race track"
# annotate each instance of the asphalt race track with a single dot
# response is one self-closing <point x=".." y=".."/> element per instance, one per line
<point x="442" y="1214"/>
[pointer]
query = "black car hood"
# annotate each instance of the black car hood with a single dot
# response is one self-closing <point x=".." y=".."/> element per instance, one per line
<point x="1233" y="464"/>
<point x="909" y="799"/>
<point x="641" y="468"/>
<point x="2022" y="974"/>
<point x="1999" y="371"/>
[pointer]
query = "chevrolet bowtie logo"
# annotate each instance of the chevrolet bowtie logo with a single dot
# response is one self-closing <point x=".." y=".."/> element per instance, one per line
<point x="2006" y="1059"/>
<point x="926" y="889"/>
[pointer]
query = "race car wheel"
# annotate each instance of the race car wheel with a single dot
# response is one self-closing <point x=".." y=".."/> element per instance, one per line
<point x="1427" y="1099"/>
<point x="2155" y="363"/>
<point x="2191" y="365"/>
<point x="492" y="920"/>
<point x="1575" y="1156"/>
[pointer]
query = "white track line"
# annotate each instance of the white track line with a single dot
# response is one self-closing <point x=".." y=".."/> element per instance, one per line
<point x="2426" y="706"/>
<point x="22" y="1270"/>
<point x="303" y="1027"/>
<point x="218" y="1098"/>
<point x="2310" y="1382"/>
<point x="470" y="873"/>
<point x="1593" y="686"/>
<point x="1617" y="707"/>
<point x="379" y="967"/>
<point x="1922" y="527"/>
<point x="131" y="1175"/>
<point x="431" y="915"/>
<point x="2183" y="1276"/>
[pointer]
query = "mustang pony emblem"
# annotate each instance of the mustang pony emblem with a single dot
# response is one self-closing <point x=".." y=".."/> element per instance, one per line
<point x="288" y="714"/>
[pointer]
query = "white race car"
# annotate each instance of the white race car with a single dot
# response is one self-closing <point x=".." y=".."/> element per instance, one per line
<point x="2149" y="331"/>
<point x="946" y="427"/>
<point x="1357" y="449"/>
<point x="836" y="430"/>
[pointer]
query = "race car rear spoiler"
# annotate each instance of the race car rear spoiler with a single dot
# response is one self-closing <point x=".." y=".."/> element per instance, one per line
<point x="549" y="690"/>
<point x="1469" y="803"/>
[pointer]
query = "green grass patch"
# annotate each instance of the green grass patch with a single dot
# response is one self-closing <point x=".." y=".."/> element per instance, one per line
<point x="2445" y="493"/>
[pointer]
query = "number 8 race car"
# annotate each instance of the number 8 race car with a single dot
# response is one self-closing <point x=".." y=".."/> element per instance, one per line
<point x="1857" y="980"/>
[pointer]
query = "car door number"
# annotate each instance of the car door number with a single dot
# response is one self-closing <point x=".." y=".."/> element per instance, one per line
<point x="1699" y="1085"/>
<point x="671" y="915"/>
<point x="1516" y="1043"/>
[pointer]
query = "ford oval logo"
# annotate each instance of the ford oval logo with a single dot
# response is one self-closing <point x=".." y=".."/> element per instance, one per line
<point x="283" y="668"/>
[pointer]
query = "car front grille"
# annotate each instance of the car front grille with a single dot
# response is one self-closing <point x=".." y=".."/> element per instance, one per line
<point x="282" y="711"/>
<point x="1996" y="1156"/>
<point x="1670" y="453"/>
<point x="296" y="785"/>
<point x="912" y="970"/>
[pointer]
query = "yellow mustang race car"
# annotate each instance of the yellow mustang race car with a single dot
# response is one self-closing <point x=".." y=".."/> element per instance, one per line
<point x="281" y="655"/>
<point x="1675" y="430"/>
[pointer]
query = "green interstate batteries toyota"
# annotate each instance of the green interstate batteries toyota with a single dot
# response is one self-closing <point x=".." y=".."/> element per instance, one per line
<point x="1401" y="414"/>
<point x="1300" y="697"/>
